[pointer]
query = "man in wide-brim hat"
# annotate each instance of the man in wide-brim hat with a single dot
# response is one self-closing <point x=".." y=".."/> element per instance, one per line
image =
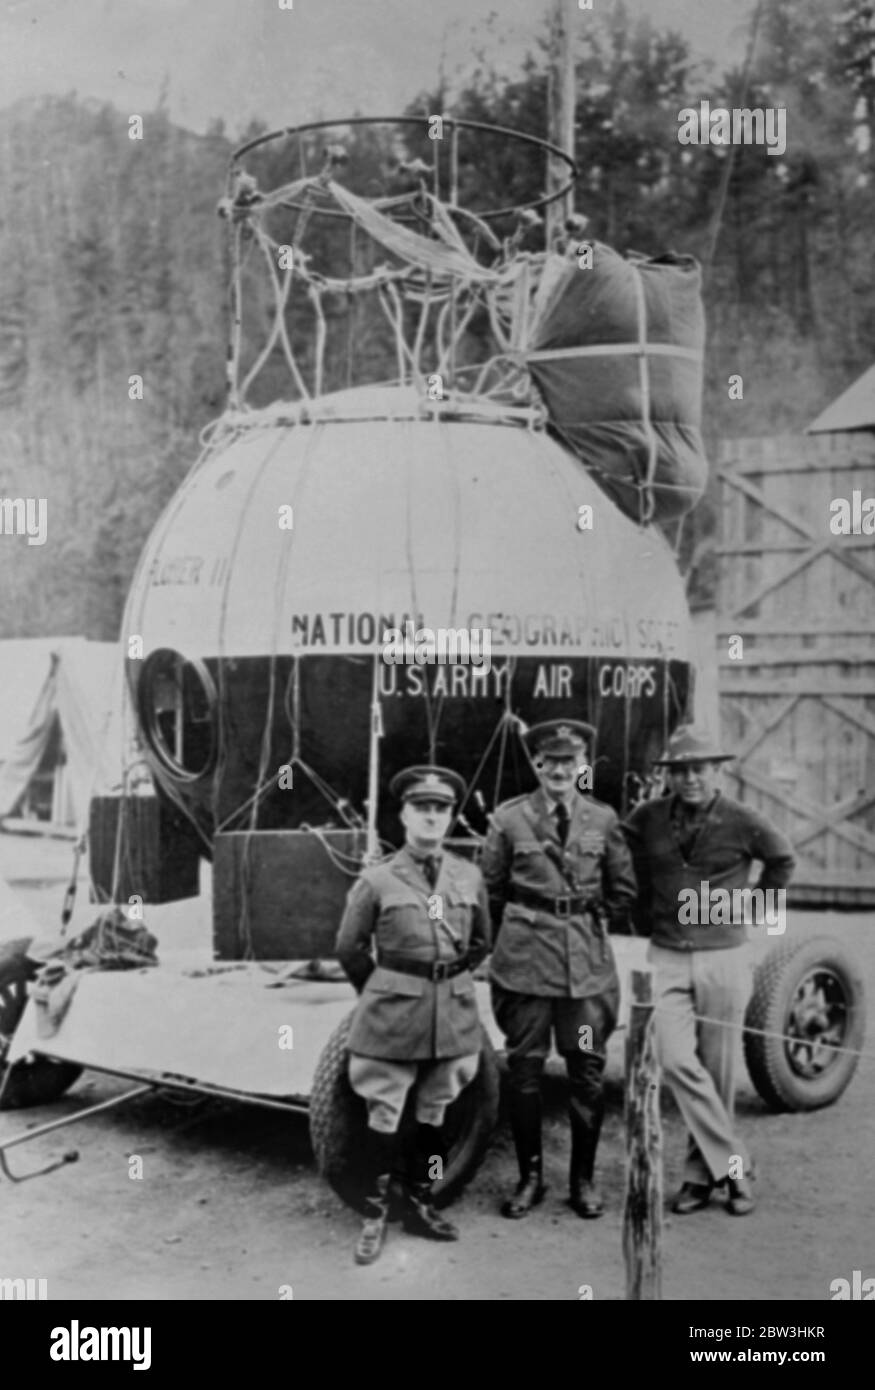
<point x="692" y="745"/>
<point x="693" y="837"/>
<point x="413" y="929"/>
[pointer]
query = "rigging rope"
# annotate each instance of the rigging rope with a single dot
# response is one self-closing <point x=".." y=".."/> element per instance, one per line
<point x="729" y="164"/>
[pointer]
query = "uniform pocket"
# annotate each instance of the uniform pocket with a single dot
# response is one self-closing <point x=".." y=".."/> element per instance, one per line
<point x="382" y="981"/>
<point x="459" y="905"/>
<point x="462" y="984"/>
<point x="527" y="852"/>
<point x="403" y="899"/>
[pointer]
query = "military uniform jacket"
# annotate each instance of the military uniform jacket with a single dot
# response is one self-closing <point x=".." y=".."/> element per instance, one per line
<point x="403" y="1017"/>
<point x="537" y="952"/>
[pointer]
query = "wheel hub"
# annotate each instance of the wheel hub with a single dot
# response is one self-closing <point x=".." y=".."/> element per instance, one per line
<point x="817" y="1023"/>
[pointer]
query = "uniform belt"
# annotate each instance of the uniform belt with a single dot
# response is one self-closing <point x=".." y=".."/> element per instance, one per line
<point x="425" y="969"/>
<point x="565" y="906"/>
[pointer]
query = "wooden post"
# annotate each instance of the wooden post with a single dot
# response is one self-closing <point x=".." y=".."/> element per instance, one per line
<point x="642" y="1212"/>
<point x="560" y="114"/>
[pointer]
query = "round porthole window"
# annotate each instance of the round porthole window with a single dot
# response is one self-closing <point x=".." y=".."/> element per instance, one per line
<point x="177" y="707"/>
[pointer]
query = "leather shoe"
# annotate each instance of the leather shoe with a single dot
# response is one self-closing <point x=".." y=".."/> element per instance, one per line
<point x="419" y="1217"/>
<point x="530" y="1192"/>
<point x="693" y="1196"/>
<point x="741" y="1199"/>
<point x="585" y="1199"/>
<point x="371" y="1240"/>
<point x="373" y="1233"/>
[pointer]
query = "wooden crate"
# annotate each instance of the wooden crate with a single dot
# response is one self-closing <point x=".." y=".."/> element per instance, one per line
<point x="280" y="894"/>
<point x="156" y="849"/>
<point x="799" y="709"/>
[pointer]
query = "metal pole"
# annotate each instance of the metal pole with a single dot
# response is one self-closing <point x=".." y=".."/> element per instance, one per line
<point x="372" y="843"/>
<point x="85" y="1114"/>
<point x="560" y="116"/>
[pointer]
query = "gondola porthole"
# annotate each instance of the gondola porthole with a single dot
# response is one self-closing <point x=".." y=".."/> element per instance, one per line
<point x="177" y="707"/>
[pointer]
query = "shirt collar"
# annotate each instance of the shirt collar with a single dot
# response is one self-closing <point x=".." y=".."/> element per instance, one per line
<point x="419" y="856"/>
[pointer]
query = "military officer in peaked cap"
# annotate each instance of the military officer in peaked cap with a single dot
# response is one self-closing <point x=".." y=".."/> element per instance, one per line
<point x="416" y="1024"/>
<point x="557" y="868"/>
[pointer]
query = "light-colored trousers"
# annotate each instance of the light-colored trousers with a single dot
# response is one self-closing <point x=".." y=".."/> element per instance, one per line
<point x="699" y="1060"/>
<point x="384" y="1085"/>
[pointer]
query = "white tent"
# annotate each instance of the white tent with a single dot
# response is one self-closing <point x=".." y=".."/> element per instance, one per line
<point x="66" y="685"/>
<point x="854" y="409"/>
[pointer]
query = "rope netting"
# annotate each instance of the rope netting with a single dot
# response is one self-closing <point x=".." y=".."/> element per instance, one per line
<point x="416" y="283"/>
<point x="405" y="280"/>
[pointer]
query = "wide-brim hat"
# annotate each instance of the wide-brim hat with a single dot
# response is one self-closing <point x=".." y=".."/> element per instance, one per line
<point x="428" y="782"/>
<point x="559" y="738"/>
<point x="690" y="744"/>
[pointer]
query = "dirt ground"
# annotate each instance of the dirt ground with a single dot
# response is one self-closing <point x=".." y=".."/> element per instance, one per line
<point x="230" y="1205"/>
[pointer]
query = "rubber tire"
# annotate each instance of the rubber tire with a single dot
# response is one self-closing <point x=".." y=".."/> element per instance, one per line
<point x="338" y="1121"/>
<point x="775" y="983"/>
<point x="33" y="1080"/>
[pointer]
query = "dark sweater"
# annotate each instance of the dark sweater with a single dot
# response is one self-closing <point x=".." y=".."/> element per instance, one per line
<point x="730" y="838"/>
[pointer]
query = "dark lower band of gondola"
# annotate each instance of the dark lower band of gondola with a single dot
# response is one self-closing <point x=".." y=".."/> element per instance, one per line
<point x="226" y="729"/>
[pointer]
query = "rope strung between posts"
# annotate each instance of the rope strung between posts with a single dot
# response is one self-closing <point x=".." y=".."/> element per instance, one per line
<point x="769" y="1033"/>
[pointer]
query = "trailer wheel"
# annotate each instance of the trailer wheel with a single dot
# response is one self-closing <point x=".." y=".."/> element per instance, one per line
<point x="812" y="992"/>
<point x="338" y="1121"/>
<point x="33" y="1080"/>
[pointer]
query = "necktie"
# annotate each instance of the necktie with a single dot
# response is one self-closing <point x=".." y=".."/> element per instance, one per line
<point x="562" y="818"/>
<point x="430" y="869"/>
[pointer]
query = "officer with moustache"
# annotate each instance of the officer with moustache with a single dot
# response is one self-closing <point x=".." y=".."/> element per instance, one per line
<point x="557" y="869"/>
<point x="416" y="1024"/>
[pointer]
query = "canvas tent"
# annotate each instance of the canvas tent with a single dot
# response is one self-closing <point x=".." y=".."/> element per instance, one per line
<point x="854" y="409"/>
<point x="60" y="718"/>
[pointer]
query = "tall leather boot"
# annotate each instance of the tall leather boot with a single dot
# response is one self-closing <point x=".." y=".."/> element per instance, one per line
<point x="525" y="1122"/>
<point x="419" y="1216"/>
<point x="381" y="1154"/>
<point x="586" y="1124"/>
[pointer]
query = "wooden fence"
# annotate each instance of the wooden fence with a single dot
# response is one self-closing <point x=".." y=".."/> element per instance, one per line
<point x="797" y="707"/>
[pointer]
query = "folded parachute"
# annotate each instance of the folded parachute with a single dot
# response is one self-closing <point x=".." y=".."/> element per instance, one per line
<point x="616" y="351"/>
